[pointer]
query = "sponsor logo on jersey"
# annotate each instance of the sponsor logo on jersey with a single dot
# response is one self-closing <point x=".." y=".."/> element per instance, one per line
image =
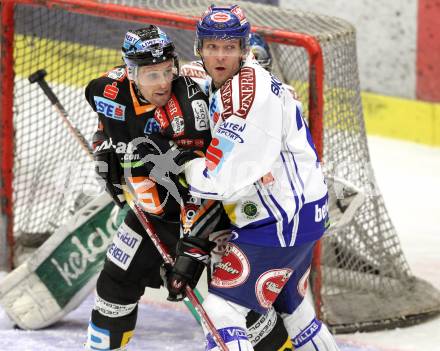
<point x="151" y="127"/>
<point x="109" y="108"/>
<point x="213" y="111"/>
<point x="126" y="149"/>
<point x="247" y="91"/>
<point x="198" y="143"/>
<point x="200" y="109"/>
<point x="303" y="282"/>
<point x="321" y="212"/>
<point x="111" y="91"/>
<point x="215" y="117"/>
<point x="275" y="85"/>
<point x="269" y="285"/>
<point x="217" y="151"/>
<point x="176" y="116"/>
<point x="160" y="117"/>
<point x="191" y="86"/>
<point x="250" y="210"/>
<point x="125" y="244"/>
<point x="117" y="74"/>
<point x="226" y="96"/>
<point x="246" y="83"/>
<point x="178" y="125"/>
<point x="233" y="270"/>
<point x="232" y="131"/>
<point x="147" y="194"/>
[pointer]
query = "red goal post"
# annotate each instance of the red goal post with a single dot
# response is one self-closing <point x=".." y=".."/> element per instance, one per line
<point x="354" y="267"/>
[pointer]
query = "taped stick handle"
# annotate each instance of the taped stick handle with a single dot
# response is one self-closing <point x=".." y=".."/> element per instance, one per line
<point x="38" y="77"/>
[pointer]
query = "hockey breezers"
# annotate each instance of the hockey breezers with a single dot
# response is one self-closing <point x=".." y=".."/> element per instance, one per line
<point x="38" y="77"/>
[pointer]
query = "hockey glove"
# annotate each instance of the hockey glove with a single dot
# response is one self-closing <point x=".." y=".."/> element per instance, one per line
<point x="107" y="166"/>
<point x="192" y="257"/>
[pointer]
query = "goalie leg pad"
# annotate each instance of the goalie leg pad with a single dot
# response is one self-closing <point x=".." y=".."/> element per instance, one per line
<point x="230" y="321"/>
<point x="63" y="271"/>
<point x="307" y="332"/>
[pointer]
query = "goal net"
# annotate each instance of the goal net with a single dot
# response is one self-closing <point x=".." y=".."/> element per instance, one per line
<point x="360" y="278"/>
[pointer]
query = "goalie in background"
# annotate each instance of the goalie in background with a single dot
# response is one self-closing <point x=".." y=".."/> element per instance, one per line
<point x="135" y="103"/>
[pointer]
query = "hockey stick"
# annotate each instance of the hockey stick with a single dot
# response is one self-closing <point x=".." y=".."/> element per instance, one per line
<point x="38" y="77"/>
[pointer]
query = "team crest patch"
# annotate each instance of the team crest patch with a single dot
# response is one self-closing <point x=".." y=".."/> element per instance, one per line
<point x="233" y="270"/>
<point x="269" y="285"/>
<point x="250" y="210"/>
<point x="178" y="125"/>
<point x="117" y="74"/>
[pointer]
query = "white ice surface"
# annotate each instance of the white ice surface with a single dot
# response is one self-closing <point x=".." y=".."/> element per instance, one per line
<point x="409" y="178"/>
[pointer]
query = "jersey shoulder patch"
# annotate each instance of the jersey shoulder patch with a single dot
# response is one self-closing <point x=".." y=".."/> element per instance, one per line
<point x="117" y="73"/>
<point x="241" y="87"/>
<point x="109" y="97"/>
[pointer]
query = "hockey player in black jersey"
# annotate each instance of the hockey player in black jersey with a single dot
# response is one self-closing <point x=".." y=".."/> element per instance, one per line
<point x="135" y="103"/>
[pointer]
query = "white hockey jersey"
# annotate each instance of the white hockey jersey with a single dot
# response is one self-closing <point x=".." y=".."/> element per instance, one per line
<point x="261" y="162"/>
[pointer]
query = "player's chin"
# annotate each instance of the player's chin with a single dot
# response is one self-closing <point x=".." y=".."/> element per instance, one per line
<point x="160" y="99"/>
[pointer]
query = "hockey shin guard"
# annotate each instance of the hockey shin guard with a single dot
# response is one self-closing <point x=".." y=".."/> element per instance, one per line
<point x="307" y="332"/>
<point x="267" y="332"/>
<point x="229" y="319"/>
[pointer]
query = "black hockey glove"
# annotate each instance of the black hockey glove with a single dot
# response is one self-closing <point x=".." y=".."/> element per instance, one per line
<point x="107" y="166"/>
<point x="192" y="257"/>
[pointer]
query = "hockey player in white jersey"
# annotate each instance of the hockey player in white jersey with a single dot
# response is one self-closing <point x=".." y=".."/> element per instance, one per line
<point x="263" y="165"/>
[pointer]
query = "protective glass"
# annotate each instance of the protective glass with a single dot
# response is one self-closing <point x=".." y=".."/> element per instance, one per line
<point x="221" y="47"/>
<point x="150" y="77"/>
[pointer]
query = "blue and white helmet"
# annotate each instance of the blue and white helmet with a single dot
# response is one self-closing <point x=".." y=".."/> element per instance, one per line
<point x="261" y="51"/>
<point x="223" y="23"/>
<point x="146" y="46"/>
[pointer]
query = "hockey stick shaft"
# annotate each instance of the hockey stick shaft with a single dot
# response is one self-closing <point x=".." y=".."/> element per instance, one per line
<point x="189" y="292"/>
<point x="38" y="77"/>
